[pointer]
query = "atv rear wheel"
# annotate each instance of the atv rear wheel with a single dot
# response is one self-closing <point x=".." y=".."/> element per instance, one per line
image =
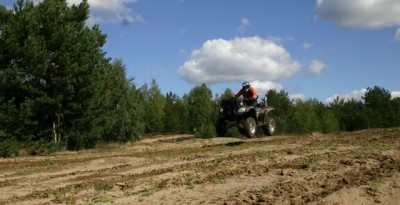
<point x="269" y="128"/>
<point x="250" y="127"/>
<point x="221" y="127"/>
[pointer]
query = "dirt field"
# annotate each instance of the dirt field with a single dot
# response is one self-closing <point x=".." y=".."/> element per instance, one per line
<point x="343" y="168"/>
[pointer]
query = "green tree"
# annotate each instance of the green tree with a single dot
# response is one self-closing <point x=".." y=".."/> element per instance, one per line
<point x="201" y="111"/>
<point x="228" y="94"/>
<point x="36" y="62"/>
<point x="52" y="75"/>
<point x="378" y="107"/>
<point x="396" y="109"/>
<point x="176" y="114"/>
<point x="329" y="122"/>
<point x="154" y="108"/>
<point x="327" y="119"/>
<point x="283" y="107"/>
<point x="349" y="114"/>
<point x="304" y="118"/>
<point x="336" y="107"/>
<point x="119" y="110"/>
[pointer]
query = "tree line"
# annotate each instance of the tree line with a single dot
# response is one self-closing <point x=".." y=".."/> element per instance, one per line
<point x="58" y="90"/>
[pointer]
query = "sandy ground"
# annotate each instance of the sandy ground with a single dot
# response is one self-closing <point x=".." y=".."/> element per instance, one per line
<point x="342" y="168"/>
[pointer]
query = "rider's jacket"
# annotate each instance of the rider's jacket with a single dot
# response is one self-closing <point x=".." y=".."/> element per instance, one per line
<point x="250" y="94"/>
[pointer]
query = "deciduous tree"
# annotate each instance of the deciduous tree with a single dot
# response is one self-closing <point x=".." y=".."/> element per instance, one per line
<point x="201" y="111"/>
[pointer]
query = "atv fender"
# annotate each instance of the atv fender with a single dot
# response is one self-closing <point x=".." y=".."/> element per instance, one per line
<point x="251" y="112"/>
<point x="263" y="115"/>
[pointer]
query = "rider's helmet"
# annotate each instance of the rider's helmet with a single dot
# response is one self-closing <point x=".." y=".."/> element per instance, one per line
<point x="246" y="85"/>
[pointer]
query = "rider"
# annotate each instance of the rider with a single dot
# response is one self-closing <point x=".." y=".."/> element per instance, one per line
<point x="248" y="92"/>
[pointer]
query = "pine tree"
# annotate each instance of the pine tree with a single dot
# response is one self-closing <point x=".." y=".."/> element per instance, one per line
<point x="51" y="64"/>
<point x="349" y="114"/>
<point x="396" y="110"/>
<point x="228" y="94"/>
<point x="378" y="107"/>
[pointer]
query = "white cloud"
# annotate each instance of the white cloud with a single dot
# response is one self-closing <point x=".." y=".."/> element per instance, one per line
<point x="244" y="23"/>
<point x="307" y="45"/>
<point x="397" y="36"/>
<point x="316" y="67"/>
<point x="395" y="94"/>
<point x="109" y="11"/>
<point x="280" y="40"/>
<point x="262" y="87"/>
<point x="184" y="31"/>
<point x="182" y="51"/>
<point x="369" y="14"/>
<point x="357" y="95"/>
<point x="239" y="59"/>
<point x="301" y="97"/>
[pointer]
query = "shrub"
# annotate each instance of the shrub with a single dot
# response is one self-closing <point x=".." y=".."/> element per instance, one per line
<point x="9" y="148"/>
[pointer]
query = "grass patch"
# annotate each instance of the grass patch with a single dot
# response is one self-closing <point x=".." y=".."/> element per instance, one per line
<point x="265" y="189"/>
<point x="149" y="192"/>
<point x="58" y="197"/>
<point x="236" y="192"/>
<point x="308" y="161"/>
<point x="218" y="181"/>
<point x="271" y="156"/>
<point x="48" y="163"/>
<point x="373" y="187"/>
<point x="104" y="186"/>
<point x="104" y="198"/>
<point x="191" y="185"/>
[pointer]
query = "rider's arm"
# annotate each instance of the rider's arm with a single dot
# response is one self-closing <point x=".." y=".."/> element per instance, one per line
<point x="239" y="93"/>
<point x="254" y="92"/>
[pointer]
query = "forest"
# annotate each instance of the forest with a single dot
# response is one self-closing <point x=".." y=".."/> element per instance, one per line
<point x="59" y="91"/>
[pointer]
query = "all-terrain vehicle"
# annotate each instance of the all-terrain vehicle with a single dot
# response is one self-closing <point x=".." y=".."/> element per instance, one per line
<point x="246" y="116"/>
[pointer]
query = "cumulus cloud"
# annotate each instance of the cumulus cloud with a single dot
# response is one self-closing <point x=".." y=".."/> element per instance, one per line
<point x="307" y="45"/>
<point x="357" y="95"/>
<point x="239" y="59"/>
<point x="395" y="94"/>
<point x="109" y="11"/>
<point x="244" y="23"/>
<point x="369" y="14"/>
<point x="263" y="87"/>
<point x="295" y="97"/>
<point x="316" y="67"/>
<point x="280" y="40"/>
<point x="397" y="36"/>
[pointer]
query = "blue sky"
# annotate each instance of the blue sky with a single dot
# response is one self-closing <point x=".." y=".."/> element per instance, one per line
<point x="309" y="48"/>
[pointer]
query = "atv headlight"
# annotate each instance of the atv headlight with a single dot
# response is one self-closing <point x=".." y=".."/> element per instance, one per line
<point x="241" y="110"/>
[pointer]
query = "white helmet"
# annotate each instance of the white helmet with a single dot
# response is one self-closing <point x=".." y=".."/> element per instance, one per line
<point x="245" y="84"/>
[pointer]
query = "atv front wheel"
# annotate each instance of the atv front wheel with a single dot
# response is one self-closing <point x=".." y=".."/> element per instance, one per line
<point x="250" y="127"/>
<point x="269" y="128"/>
<point x="221" y="127"/>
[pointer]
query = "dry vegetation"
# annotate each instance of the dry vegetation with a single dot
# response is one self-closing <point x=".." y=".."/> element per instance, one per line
<point x="343" y="168"/>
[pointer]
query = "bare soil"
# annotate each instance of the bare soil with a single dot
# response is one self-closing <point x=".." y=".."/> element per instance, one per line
<point x="343" y="168"/>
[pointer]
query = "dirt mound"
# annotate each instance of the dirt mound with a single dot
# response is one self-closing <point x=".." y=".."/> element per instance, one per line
<point x="343" y="168"/>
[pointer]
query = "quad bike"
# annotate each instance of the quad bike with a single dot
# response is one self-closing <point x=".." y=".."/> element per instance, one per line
<point x="246" y="115"/>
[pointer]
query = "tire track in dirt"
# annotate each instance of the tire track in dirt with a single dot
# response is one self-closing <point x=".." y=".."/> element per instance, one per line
<point x="279" y="170"/>
<point x="89" y="179"/>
